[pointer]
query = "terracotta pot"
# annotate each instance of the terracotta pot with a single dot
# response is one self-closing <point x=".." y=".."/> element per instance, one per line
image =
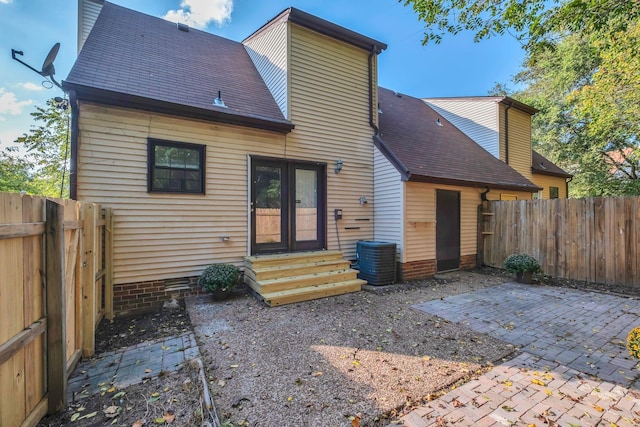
<point x="524" y="277"/>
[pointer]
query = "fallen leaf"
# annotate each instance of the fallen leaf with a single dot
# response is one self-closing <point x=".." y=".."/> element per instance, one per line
<point x="75" y="416"/>
<point x="233" y="366"/>
<point x="290" y="398"/>
<point x="316" y="374"/>
<point x="355" y="422"/>
<point x="538" y="382"/>
<point x="137" y="423"/>
<point x="111" y="411"/>
<point x="598" y="408"/>
<point x="356" y="363"/>
<point x="508" y="408"/>
<point x="119" y="394"/>
<point x="508" y="383"/>
<point x="112" y="389"/>
<point x="147" y="371"/>
<point x="91" y="415"/>
<point x="160" y="421"/>
<point x="221" y="383"/>
<point x="548" y="392"/>
<point x="169" y="417"/>
<point x="456" y="403"/>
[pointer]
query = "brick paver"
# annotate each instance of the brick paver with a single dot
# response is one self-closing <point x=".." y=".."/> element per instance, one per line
<point x="132" y="365"/>
<point x="573" y="370"/>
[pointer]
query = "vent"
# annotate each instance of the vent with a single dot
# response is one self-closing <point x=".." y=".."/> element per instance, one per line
<point x="377" y="262"/>
<point x="183" y="27"/>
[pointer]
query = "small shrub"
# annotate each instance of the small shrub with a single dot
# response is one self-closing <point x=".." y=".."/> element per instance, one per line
<point x="521" y="263"/>
<point x="633" y="342"/>
<point x="219" y="277"/>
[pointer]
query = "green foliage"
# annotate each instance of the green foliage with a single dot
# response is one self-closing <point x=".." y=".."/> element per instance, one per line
<point x="40" y="170"/>
<point x="588" y="94"/>
<point x="520" y="263"/>
<point x="537" y="24"/>
<point x="219" y="277"/>
<point x="633" y="342"/>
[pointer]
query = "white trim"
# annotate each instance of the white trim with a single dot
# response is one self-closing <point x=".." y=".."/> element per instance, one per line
<point x="249" y="231"/>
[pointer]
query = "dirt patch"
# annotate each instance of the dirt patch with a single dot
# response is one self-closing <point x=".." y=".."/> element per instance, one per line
<point x="323" y="362"/>
<point x="176" y="397"/>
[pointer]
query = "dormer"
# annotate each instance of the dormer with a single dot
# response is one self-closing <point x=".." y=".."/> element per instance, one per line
<point x="303" y="57"/>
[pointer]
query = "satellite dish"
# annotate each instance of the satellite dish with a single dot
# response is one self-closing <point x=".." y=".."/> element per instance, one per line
<point x="48" y="70"/>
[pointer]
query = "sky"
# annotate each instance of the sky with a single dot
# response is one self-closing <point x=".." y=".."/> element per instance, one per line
<point x="456" y="67"/>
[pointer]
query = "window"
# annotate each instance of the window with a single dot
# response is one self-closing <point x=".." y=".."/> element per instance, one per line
<point x="553" y="192"/>
<point x="175" y="167"/>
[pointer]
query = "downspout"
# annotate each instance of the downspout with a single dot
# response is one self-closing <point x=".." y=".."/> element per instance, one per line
<point x="372" y="124"/>
<point x="566" y="186"/>
<point x="73" y="163"/>
<point x="480" y="227"/>
<point x="506" y="132"/>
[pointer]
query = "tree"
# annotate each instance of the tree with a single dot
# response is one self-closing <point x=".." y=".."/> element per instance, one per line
<point x="587" y="90"/>
<point x="535" y="23"/>
<point x="43" y="169"/>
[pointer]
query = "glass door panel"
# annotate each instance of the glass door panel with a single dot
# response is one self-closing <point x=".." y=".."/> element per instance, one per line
<point x="306" y="205"/>
<point x="268" y="206"/>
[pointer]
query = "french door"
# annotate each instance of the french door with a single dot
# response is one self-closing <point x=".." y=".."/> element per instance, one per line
<point x="288" y="205"/>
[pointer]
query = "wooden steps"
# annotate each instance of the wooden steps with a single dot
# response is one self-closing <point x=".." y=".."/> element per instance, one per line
<point x="300" y="276"/>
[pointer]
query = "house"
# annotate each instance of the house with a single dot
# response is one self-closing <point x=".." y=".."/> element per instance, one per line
<point x="261" y="154"/>
<point x="553" y="180"/>
<point x="502" y="126"/>
<point x="429" y="178"/>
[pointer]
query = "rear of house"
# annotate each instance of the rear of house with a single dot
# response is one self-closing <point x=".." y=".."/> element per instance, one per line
<point x="502" y="126"/>
<point x="430" y="179"/>
<point x="209" y="150"/>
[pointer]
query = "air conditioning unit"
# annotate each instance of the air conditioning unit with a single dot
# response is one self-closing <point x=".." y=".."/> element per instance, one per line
<point x="376" y="262"/>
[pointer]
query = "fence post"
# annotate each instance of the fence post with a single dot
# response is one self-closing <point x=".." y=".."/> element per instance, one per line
<point x="88" y="278"/>
<point x="56" y="321"/>
<point x="108" y="263"/>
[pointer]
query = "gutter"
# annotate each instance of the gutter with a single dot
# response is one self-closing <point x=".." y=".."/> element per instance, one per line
<point x="374" y="51"/>
<point x="506" y="132"/>
<point x="73" y="161"/>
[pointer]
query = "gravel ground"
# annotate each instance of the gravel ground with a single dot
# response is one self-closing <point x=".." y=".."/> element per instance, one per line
<point x="367" y="356"/>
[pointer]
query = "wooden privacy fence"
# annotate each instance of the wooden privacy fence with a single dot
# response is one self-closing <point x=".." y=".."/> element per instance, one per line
<point x="53" y="274"/>
<point x="268" y="224"/>
<point x="592" y="239"/>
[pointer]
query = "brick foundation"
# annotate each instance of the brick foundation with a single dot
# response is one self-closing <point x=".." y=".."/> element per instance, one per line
<point x="468" y="262"/>
<point x="146" y="296"/>
<point x="416" y="269"/>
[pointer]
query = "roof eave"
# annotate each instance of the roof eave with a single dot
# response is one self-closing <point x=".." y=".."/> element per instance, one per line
<point x="405" y="174"/>
<point x="119" y="99"/>
<point x="558" y="174"/>
<point x="322" y="26"/>
<point x="474" y="184"/>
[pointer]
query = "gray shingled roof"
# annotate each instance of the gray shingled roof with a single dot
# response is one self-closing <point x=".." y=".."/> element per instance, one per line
<point x="544" y="166"/>
<point x="424" y="151"/>
<point x="133" y="54"/>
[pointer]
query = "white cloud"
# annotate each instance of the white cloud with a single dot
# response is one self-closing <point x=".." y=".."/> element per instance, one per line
<point x="199" y="13"/>
<point x="9" y="104"/>
<point x="31" y="86"/>
<point x="5" y="1"/>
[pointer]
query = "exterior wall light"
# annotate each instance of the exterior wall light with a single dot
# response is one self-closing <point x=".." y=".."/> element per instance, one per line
<point x="363" y="200"/>
<point x="338" y="166"/>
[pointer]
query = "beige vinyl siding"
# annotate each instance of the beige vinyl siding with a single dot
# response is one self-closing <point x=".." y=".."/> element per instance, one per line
<point x="475" y="118"/>
<point x="420" y="218"/>
<point x="329" y="106"/>
<point x="387" y="209"/>
<point x="546" y="181"/>
<point x="519" y="140"/>
<point x="268" y="51"/>
<point x="161" y="236"/>
<point x="88" y="11"/>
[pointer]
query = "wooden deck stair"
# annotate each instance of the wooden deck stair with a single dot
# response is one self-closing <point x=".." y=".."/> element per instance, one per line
<point x="300" y="276"/>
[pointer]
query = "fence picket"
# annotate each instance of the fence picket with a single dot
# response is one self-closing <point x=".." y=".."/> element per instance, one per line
<point x="594" y="239"/>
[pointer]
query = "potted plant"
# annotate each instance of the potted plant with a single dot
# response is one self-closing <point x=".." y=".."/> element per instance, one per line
<point x="219" y="279"/>
<point x="523" y="266"/>
<point x="633" y="342"/>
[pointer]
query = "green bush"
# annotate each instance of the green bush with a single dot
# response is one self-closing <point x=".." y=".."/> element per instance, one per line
<point x="520" y="263"/>
<point x="633" y="342"/>
<point x="219" y="277"/>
